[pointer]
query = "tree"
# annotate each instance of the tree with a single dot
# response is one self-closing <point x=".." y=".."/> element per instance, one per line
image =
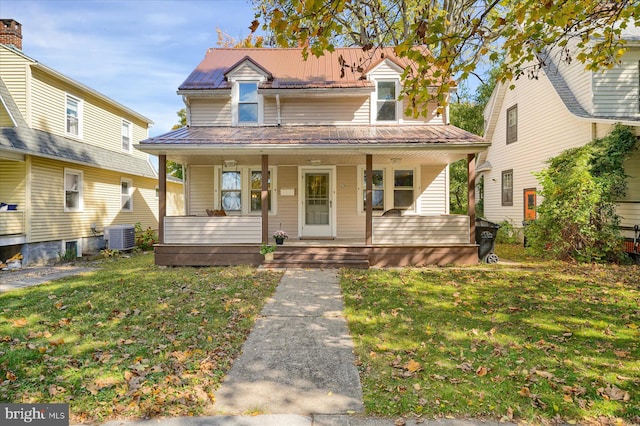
<point x="457" y="34"/>
<point x="577" y="219"/>
<point x="467" y="113"/>
<point x="173" y="168"/>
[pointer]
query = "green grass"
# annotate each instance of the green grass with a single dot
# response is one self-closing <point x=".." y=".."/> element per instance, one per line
<point x="539" y="342"/>
<point x="131" y="340"/>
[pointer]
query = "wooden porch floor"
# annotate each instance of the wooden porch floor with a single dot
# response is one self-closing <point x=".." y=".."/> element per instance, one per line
<point x="351" y="253"/>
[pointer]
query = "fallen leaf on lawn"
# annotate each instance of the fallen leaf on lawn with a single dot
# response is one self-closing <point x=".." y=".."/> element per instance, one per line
<point x="614" y="393"/>
<point x="11" y="377"/>
<point x="525" y="392"/>
<point x="412" y="366"/>
<point x="481" y="371"/>
<point x="567" y="398"/>
<point x="632" y="326"/>
<point x="438" y="377"/>
<point x="417" y="386"/>
<point x="544" y="374"/>
<point x="400" y="422"/>
<point x="55" y="389"/>
<point x="21" y="322"/>
<point x="621" y="354"/>
<point x="465" y="366"/>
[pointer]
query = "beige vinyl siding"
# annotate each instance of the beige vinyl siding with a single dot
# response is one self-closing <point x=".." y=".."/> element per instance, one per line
<point x="434" y="198"/>
<point x="579" y="81"/>
<point x="545" y="128"/>
<point x="615" y="90"/>
<point x="5" y="118"/>
<point x="210" y="112"/>
<point x="13" y="183"/>
<point x="101" y="123"/>
<point x="287" y="205"/>
<point x="201" y="184"/>
<point x="324" y="111"/>
<point x="14" y="71"/>
<point x="245" y="72"/>
<point x="175" y="199"/>
<point x="350" y="223"/>
<point x="101" y="200"/>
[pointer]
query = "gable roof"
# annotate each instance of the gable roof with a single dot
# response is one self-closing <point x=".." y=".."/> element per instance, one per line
<point x="10" y="106"/>
<point x="288" y="69"/>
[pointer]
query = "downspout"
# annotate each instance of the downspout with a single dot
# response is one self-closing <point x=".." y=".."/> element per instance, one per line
<point x="279" y="122"/>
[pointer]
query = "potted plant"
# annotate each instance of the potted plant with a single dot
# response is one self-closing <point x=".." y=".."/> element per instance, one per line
<point x="267" y="251"/>
<point x="280" y="236"/>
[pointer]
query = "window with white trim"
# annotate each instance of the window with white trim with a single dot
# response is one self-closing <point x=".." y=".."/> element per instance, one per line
<point x="507" y="187"/>
<point x="394" y="187"/>
<point x="126" y="136"/>
<point x="231" y="191"/>
<point x="248" y="102"/>
<point x="512" y="124"/>
<point x="73" y="116"/>
<point x="386" y="100"/>
<point x="126" y="195"/>
<point x="256" y="190"/>
<point x="73" y="201"/>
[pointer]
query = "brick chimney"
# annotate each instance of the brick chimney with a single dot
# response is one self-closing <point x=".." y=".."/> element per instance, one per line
<point x="11" y="33"/>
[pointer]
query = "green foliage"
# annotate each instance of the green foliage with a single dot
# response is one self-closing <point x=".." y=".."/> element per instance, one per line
<point x="267" y="248"/>
<point x="110" y="253"/>
<point x="507" y="233"/>
<point x="577" y="219"/>
<point x="145" y="238"/>
<point x="175" y="169"/>
<point x="68" y="256"/>
<point x="454" y="36"/>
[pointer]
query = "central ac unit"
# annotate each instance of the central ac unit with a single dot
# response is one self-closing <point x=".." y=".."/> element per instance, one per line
<point x="120" y="237"/>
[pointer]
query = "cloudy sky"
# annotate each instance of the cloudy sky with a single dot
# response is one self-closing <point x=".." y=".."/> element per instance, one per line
<point x="137" y="52"/>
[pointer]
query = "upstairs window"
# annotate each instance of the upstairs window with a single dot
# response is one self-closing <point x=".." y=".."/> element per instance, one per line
<point x="248" y="103"/>
<point x="126" y="136"/>
<point x="386" y="101"/>
<point x="126" y="192"/>
<point x="72" y="190"/>
<point x="73" y="126"/>
<point x="512" y="124"/>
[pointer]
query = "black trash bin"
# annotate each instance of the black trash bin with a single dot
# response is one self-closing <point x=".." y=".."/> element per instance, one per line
<point x="486" y="233"/>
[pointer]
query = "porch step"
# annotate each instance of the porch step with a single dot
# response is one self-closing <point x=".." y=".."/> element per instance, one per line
<point x="317" y="257"/>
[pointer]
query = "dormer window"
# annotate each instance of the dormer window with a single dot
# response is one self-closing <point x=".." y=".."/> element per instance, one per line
<point x="387" y="101"/>
<point x="248" y="102"/>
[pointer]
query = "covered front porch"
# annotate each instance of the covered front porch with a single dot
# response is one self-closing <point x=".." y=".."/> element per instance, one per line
<point x="342" y="201"/>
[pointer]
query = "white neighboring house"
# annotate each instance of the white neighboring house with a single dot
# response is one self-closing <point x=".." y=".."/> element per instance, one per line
<point x="565" y="107"/>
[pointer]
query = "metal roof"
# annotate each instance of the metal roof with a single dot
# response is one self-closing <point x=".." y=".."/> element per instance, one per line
<point x="313" y="136"/>
<point x="288" y="69"/>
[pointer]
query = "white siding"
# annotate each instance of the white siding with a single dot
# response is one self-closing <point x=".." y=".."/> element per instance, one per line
<point x="545" y="128"/>
<point x="434" y="199"/>
<point x="200" y="184"/>
<point x="324" y="111"/>
<point x="446" y="229"/>
<point x="213" y="230"/>
<point x="578" y="81"/>
<point x="616" y="89"/>
<point x="350" y="224"/>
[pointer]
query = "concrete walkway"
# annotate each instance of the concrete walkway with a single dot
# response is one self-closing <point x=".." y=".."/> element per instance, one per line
<point x="30" y="276"/>
<point x="299" y="358"/>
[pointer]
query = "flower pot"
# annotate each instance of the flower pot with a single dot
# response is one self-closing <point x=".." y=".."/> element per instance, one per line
<point x="279" y="241"/>
<point x="268" y="256"/>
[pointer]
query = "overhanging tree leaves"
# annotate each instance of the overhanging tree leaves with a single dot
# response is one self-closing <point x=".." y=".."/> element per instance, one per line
<point x="458" y="34"/>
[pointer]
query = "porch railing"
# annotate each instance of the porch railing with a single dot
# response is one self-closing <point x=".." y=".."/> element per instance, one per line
<point x="212" y="230"/>
<point x="12" y="222"/>
<point x="444" y="229"/>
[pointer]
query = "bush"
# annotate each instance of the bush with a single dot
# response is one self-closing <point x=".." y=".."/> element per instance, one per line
<point x="145" y="239"/>
<point x="507" y="234"/>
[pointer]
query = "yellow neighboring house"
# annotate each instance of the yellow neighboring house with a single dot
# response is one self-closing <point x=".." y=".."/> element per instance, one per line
<point x="68" y="169"/>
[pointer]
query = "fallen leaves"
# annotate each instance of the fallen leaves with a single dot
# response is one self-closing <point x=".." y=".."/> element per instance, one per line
<point x="614" y="393"/>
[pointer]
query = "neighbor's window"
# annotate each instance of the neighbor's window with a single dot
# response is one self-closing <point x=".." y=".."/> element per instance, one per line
<point x="512" y="124"/>
<point x="507" y="188"/>
<point x="126" y="136"/>
<point x="232" y="191"/>
<point x="126" y="191"/>
<point x="386" y="101"/>
<point x="403" y="183"/>
<point x="72" y="190"/>
<point x="256" y="190"/>
<point x="74" y="116"/>
<point x="377" y="199"/>
<point x="248" y="102"/>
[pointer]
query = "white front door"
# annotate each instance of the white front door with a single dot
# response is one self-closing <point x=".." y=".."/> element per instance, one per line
<point x="317" y="210"/>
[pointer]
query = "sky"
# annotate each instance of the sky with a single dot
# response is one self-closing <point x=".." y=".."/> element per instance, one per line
<point x="136" y="52"/>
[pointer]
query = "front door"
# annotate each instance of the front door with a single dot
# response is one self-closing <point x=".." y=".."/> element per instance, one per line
<point x="530" y="204"/>
<point x="317" y="203"/>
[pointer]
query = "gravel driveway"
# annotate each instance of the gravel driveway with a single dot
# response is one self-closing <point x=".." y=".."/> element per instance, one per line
<point x="28" y="276"/>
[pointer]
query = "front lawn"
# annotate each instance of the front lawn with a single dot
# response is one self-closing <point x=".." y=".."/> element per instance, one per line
<point x="129" y="341"/>
<point x="538" y="342"/>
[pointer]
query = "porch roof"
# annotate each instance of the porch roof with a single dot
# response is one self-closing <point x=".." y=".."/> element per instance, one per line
<point x="421" y="137"/>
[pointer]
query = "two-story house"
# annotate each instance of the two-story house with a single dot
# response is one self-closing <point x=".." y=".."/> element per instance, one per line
<point x="320" y="151"/>
<point x="564" y="107"/>
<point x="68" y="168"/>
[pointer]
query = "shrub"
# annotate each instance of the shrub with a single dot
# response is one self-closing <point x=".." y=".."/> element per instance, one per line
<point x="507" y="234"/>
<point x="145" y="239"/>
